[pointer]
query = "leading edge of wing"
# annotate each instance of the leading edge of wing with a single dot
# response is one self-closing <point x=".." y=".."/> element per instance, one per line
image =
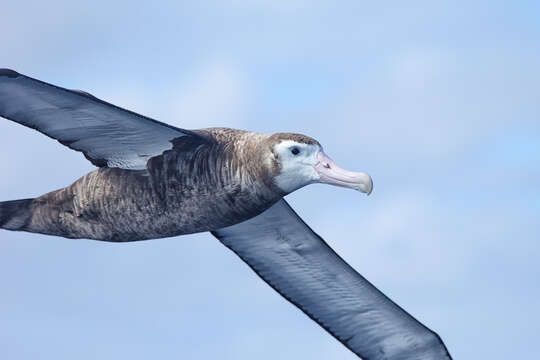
<point x="14" y="74"/>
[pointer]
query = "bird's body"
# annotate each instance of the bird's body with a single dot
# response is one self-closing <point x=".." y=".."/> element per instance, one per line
<point x="155" y="180"/>
<point x="199" y="185"/>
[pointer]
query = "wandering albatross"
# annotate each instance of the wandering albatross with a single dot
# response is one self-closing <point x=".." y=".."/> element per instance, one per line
<point x="155" y="180"/>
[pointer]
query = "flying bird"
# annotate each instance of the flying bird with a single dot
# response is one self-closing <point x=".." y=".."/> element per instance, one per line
<point x="154" y="180"/>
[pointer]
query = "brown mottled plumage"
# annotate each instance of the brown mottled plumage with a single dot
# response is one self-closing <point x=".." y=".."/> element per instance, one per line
<point x="201" y="184"/>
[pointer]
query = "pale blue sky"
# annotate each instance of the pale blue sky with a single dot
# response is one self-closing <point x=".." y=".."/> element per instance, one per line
<point x="438" y="101"/>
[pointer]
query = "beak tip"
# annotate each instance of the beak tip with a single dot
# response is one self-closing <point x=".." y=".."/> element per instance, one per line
<point x="369" y="187"/>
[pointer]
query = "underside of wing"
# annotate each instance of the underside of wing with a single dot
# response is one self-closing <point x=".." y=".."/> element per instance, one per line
<point x="298" y="264"/>
<point x="106" y="134"/>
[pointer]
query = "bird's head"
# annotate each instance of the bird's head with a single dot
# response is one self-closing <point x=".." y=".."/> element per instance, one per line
<point x="299" y="160"/>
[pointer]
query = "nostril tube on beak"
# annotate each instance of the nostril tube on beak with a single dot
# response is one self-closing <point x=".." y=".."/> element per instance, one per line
<point x="331" y="173"/>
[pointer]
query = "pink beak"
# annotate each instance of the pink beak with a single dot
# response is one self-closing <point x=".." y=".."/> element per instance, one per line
<point x="332" y="174"/>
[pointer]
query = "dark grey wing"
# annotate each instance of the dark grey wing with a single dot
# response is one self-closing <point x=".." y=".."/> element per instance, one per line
<point x="106" y="134"/>
<point x="299" y="265"/>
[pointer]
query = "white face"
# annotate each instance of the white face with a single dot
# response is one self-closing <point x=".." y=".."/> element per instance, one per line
<point x="298" y="163"/>
<point x="302" y="164"/>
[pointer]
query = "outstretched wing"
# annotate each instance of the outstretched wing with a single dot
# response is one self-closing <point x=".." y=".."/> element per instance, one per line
<point x="106" y="134"/>
<point x="299" y="265"/>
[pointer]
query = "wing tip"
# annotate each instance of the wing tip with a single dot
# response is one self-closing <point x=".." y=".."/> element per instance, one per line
<point x="9" y="73"/>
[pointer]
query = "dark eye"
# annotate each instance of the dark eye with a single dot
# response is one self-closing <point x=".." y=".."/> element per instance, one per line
<point x="295" y="151"/>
